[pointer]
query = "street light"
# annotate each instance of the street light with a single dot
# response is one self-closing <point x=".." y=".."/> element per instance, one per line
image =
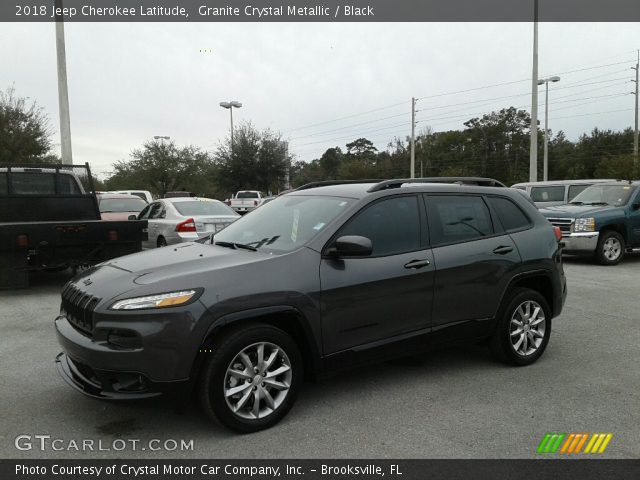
<point x="161" y="138"/>
<point x="545" y="81"/>
<point x="230" y="106"/>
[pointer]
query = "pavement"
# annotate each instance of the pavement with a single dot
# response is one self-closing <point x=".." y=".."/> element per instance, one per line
<point x="458" y="403"/>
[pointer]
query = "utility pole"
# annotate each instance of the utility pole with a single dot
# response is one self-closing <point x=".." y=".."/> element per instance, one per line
<point x="635" y="133"/>
<point x="413" y="137"/>
<point x="533" y="152"/>
<point x="63" y="92"/>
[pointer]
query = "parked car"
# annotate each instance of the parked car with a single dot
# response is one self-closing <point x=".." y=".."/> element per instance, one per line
<point x="322" y="279"/>
<point x="179" y="194"/>
<point x="245" y="201"/>
<point x="183" y="219"/>
<point x="119" y="206"/>
<point x="603" y="221"/>
<point x="49" y="220"/>
<point x="555" y="192"/>
<point x="143" y="194"/>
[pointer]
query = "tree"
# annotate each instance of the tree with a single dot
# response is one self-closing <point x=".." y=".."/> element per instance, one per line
<point x="330" y="163"/>
<point x="25" y="133"/>
<point x="162" y="168"/>
<point x="257" y="160"/>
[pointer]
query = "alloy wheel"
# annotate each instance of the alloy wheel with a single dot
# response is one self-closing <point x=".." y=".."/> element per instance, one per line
<point x="527" y="328"/>
<point x="257" y="380"/>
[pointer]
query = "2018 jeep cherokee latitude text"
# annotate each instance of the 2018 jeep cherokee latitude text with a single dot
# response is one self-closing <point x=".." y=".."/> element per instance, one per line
<point x="314" y="281"/>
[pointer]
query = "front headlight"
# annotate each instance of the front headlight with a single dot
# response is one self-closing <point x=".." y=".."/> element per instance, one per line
<point x="585" y="225"/>
<point x="161" y="300"/>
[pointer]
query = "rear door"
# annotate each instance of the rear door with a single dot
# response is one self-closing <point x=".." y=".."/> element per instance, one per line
<point x="474" y="259"/>
<point x="387" y="294"/>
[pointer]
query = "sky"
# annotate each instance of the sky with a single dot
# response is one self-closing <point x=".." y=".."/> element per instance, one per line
<point x="320" y="84"/>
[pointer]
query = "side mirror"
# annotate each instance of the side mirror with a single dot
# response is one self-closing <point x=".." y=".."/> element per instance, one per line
<point x="133" y="217"/>
<point x="351" y="246"/>
<point x="635" y="206"/>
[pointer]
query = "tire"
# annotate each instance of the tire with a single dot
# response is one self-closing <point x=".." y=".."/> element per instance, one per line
<point x="161" y="242"/>
<point x="225" y="355"/>
<point x="513" y="347"/>
<point x="611" y="248"/>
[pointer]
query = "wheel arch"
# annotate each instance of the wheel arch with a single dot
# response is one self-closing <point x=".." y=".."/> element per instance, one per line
<point x="540" y="281"/>
<point x="616" y="227"/>
<point x="285" y="317"/>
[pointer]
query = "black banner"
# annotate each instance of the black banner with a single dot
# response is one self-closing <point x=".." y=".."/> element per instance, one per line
<point x="318" y="11"/>
<point x="319" y="469"/>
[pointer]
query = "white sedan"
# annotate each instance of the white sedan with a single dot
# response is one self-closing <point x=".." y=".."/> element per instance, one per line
<point x="184" y="219"/>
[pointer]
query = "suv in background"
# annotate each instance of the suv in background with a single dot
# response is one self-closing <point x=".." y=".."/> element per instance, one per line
<point x="326" y="277"/>
<point x="603" y="221"/>
<point x="555" y="192"/>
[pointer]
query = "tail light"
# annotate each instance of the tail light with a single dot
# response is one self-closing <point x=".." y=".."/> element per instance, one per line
<point x="113" y="235"/>
<point x="558" y="233"/>
<point x="189" y="225"/>
<point x="22" y="241"/>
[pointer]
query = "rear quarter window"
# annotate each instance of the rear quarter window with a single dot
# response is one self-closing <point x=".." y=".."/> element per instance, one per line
<point x="509" y="214"/>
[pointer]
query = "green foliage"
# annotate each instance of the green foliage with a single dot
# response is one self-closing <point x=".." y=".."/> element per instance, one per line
<point x="25" y="133"/>
<point x="257" y="161"/>
<point x="163" y="168"/>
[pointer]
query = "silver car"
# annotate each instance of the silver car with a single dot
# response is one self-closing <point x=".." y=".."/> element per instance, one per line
<point x="184" y="219"/>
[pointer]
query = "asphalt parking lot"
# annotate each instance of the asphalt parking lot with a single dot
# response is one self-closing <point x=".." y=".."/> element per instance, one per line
<point x="457" y="403"/>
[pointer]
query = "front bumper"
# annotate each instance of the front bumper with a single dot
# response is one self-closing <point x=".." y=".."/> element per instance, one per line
<point x="580" y="243"/>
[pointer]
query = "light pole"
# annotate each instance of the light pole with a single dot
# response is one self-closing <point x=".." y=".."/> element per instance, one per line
<point x="533" y="151"/>
<point x="545" y="167"/>
<point x="63" y="91"/>
<point x="230" y="106"/>
<point x="161" y="138"/>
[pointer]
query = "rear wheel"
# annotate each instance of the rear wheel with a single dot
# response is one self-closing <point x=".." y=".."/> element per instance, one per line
<point x="250" y="378"/>
<point x="523" y="328"/>
<point x="161" y="242"/>
<point x="610" y="249"/>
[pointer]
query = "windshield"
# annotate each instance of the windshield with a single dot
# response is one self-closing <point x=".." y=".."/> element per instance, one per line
<point x="604" y="195"/>
<point x="133" y="204"/>
<point x="284" y="224"/>
<point x="203" y="207"/>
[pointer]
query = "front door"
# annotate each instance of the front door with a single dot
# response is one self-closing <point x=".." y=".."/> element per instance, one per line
<point x="386" y="294"/>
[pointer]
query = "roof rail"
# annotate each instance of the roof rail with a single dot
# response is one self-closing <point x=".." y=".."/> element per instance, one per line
<point x="397" y="183"/>
<point x="328" y="183"/>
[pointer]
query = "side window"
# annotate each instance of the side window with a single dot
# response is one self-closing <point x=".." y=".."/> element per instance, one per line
<point x="548" y="194"/>
<point x="457" y="218"/>
<point x="3" y="184"/>
<point x="392" y="225"/>
<point x="156" y="210"/>
<point x="575" y="190"/>
<point x="144" y="214"/>
<point x="510" y="215"/>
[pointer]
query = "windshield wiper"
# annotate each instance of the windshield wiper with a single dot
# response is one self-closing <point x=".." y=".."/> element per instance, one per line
<point x="597" y="203"/>
<point x="235" y="245"/>
<point x="576" y="203"/>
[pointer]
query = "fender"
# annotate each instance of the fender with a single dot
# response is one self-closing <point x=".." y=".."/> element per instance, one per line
<point x="313" y="355"/>
<point x="519" y="276"/>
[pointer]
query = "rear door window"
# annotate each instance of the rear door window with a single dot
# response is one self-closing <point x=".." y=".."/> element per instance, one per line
<point x="457" y="218"/>
<point x="548" y="194"/>
<point x="510" y="215"/>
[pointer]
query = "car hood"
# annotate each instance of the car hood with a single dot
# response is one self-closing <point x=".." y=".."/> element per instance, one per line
<point x="573" y="211"/>
<point x="142" y="271"/>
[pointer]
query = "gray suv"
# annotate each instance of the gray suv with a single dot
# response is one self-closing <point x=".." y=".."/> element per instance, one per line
<point x="320" y="279"/>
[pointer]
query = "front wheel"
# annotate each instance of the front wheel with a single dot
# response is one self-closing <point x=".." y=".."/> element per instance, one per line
<point x="610" y="249"/>
<point x="250" y="378"/>
<point x="523" y="328"/>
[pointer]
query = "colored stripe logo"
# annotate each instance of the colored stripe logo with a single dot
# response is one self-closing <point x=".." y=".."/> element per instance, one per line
<point x="573" y="443"/>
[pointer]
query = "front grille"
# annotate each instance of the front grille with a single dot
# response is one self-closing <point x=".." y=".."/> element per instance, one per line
<point x="78" y="307"/>
<point x="563" y="223"/>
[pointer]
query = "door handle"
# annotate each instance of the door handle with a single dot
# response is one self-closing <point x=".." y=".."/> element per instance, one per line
<point x="503" y="250"/>
<point x="417" y="264"/>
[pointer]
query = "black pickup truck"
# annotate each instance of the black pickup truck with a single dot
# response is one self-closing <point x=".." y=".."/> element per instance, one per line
<point x="49" y="219"/>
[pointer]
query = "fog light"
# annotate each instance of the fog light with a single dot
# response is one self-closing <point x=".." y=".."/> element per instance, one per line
<point x="125" y="339"/>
